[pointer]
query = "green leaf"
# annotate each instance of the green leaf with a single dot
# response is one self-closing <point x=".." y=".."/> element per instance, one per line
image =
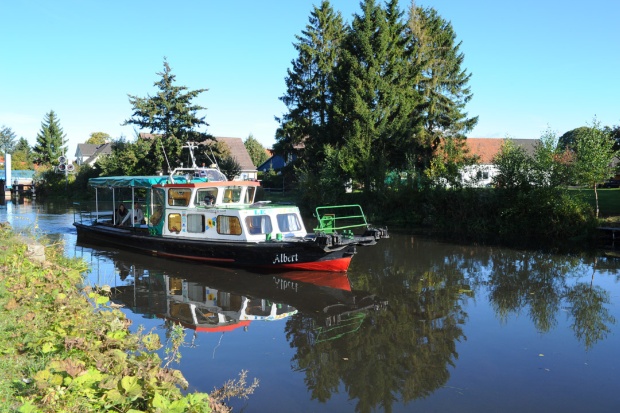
<point x="131" y="386"/>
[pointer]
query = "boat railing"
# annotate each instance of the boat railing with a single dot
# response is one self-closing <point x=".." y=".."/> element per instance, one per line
<point x="340" y="218"/>
<point x="83" y="213"/>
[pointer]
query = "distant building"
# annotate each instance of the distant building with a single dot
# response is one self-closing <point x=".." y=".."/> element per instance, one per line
<point x="279" y="161"/>
<point x="87" y="153"/>
<point x="486" y="149"/>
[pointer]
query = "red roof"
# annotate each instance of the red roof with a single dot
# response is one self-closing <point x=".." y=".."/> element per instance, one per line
<point x="487" y="148"/>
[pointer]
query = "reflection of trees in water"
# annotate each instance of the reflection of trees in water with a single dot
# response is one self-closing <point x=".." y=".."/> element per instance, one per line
<point x="541" y="283"/>
<point x="401" y="353"/>
<point x="591" y="319"/>
<point x="405" y="353"/>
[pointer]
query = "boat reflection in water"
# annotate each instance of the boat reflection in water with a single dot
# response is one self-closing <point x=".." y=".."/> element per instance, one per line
<point x="213" y="299"/>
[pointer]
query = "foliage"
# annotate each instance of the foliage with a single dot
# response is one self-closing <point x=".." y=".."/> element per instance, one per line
<point x="614" y="133"/>
<point x="569" y="139"/>
<point x="230" y="167"/>
<point x="310" y="88"/>
<point x="326" y="187"/>
<point x="387" y="93"/>
<point x="22" y="155"/>
<point x="551" y="163"/>
<point x="7" y="140"/>
<point x="441" y="81"/>
<point x="375" y="97"/>
<point x="255" y="150"/>
<point x="131" y="158"/>
<point x="170" y="114"/>
<point x="594" y="153"/>
<point x="60" y="355"/>
<point x="514" y="167"/>
<point x="50" y="141"/>
<point x="98" y="138"/>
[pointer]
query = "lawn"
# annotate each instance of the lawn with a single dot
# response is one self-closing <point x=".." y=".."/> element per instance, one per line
<point x="608" y="200"/>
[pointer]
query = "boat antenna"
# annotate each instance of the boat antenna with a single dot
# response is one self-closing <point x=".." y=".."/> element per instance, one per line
<point x="165" y="156"/>
<point x="190" y="146"/>
<point x="212" y="158"/>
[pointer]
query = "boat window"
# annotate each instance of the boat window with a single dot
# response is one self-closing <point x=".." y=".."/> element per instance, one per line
<point x="179" y="196"/>
<point x="259" y="224"/>
<point x="206" y="197"/>
<point x="228" y="225"/>
<point x="258" y="307"/>
<point x="288" y="222"/>
<point x="232" y="194"/>
<point x="249" y="195"/>
<point x="157" y="207"/>
<point x="195" y="223"/>
<point x="174" y="222"/>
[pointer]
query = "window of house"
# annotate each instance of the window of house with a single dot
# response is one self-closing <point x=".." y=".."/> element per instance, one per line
<point x="227" y="225"/>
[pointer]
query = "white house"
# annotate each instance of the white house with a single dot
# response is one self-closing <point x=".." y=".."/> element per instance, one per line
<point x="87" y="153"/>
<point x="486" y="149"/>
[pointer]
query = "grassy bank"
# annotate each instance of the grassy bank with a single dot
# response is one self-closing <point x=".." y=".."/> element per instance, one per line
<point x="67" y="349"/>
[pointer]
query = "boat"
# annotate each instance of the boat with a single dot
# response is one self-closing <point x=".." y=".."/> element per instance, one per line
<point x="198" y="214"/>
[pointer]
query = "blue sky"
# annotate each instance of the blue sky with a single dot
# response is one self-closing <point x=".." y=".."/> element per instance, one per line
<point x="534" y="64"/>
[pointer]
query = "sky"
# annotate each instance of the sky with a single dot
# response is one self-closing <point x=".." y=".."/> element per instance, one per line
<point x="535" y="65"/>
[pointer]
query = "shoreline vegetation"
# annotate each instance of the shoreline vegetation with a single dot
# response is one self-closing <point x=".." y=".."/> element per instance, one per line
<point x="67" y="347"/>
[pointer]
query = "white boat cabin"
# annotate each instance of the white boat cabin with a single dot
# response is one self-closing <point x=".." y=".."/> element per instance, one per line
<point x="220" y="210"/>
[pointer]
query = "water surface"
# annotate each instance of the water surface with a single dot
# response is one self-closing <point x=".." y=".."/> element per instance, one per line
<point x="415" y="325"/>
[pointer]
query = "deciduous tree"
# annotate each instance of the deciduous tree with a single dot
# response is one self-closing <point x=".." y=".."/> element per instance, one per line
<point x="255" y="150"/>
<point x="22" y="155"/>
<point x="98" y="138"/>
<point x="7" y="139"/>
<point x="594" y="153"/>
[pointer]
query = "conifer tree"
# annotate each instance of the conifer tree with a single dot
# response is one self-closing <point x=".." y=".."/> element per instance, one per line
<point x="374" y="97"/>
<point x="171" y="114"/>
<point x="50" y="141"/>
<point x="310" y="84"/>
<point x="442" y="83"/>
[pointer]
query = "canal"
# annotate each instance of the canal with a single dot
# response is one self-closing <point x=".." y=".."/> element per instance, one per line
<point x="415" y="325"/>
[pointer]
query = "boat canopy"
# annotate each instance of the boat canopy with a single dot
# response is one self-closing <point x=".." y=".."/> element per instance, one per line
<point x="127" y="181"/>
<point x="185" y="176"/>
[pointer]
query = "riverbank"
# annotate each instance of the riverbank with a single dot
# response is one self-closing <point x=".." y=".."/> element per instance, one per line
<point x="66" y="348"/>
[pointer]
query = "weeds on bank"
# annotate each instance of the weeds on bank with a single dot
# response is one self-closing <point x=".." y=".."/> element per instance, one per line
<point x="62" y="349"/>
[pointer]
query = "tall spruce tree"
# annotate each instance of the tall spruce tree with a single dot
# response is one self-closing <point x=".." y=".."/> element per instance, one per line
<point x="309" y="86"/>
<point x="373" y="102"/>
<point x="50" y="141"/>
<point x="171" y="114"/>
<point x="442" y="83"/>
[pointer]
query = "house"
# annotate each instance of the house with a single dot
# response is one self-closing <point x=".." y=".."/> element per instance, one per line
<point x="277" y="162"/>
<point x="237" y="151"/>
<point x="87" y="153"/>
<point x="486" y="149"/>
<point x="241" y="155"/>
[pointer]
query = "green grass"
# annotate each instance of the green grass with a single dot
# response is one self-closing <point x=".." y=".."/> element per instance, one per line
<point x="608" y="200"/>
